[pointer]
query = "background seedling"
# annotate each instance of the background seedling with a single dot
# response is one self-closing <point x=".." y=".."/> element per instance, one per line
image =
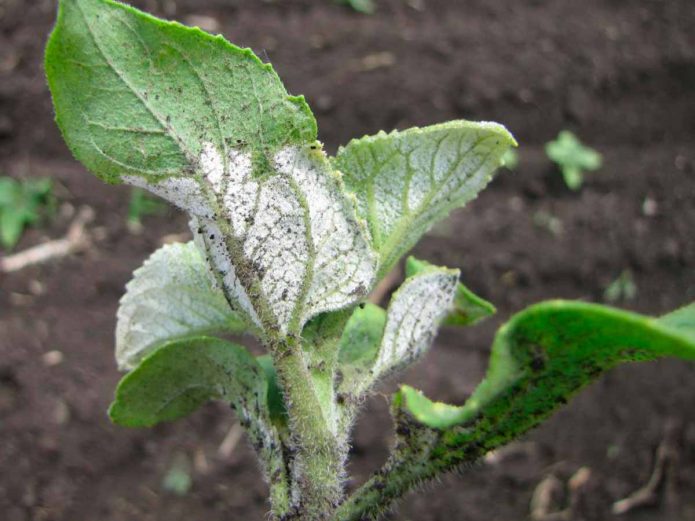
<point x="22" y="203"/>
<point x="572" y="158"/>
<point x="510" y="159"/>
<point x="622" y="288"/>
<point x="361" y="6"/>
<point x="547" y="221"/>
<point x="141" y="205"/>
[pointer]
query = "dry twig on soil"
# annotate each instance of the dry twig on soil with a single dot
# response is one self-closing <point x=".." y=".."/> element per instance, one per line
<point x="75" y="240"/>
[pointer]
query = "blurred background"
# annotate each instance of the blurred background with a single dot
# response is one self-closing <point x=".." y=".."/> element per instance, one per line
<point x="618" y="74"/>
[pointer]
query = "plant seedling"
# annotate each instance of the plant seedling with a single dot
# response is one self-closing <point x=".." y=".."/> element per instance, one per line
<point x="510" y="159"/>
<point x="622" y="288"/>
<point x="361" y="6"/>
<point x="142" y="204"/>
<point x="572" y="158"/>
<point x="21" y="205"/>
<point x="287" y="245"/>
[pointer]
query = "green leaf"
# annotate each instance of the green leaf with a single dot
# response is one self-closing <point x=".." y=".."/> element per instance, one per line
<point x="276" y="401"/>
<point x="542" y="357"/>
<point x="622" y="288"/>
<point x="11" y="227"/>
<point x="137" y="95"/>
<point x="469" y="308"/>
<point x="181" y="375"/>
<point x="406" y="181"/>
<point x="681" y="320"/>
<point x="359" y="345"/>
<point x="510" y="159"/>
<point x="10" y="190"/>
<point x="21" y="203"/>
<point x="142" y="204"/>
<point x="361" y="6"/>
<point x="171" y="295"/>
<point x="209" y="127"/>
<point x="573" y="158"/>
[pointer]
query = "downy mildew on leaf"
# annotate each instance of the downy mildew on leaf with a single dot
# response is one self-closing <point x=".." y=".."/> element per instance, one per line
<point x="294" y="227"/>
<point x="412" y="320"/>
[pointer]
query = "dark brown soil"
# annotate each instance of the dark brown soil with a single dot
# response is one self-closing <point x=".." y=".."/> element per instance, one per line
<point x="620" y="73"/>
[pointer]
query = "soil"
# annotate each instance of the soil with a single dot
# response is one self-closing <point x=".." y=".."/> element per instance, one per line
<point x="620" y="73"/>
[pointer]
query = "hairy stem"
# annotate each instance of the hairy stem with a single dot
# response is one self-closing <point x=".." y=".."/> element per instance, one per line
<point x="316" y="467"/>
<point x="420" y="454"/>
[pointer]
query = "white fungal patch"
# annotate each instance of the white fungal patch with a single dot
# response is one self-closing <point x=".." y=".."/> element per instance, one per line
<point x="295" y="228"/>
<point x="184" y="192"/>
<point x="413" y="317"/>
<point x="169" y="296"/>
<point x="208" y="234"/>
<point x="343" y="263"/>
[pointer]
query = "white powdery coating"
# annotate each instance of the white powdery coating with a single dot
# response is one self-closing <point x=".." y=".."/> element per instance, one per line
<point x="169" y="296"/>
<point x="413" y="317"/>
<point x="212" y="166"/>
<point x="294" y="228"/>
<point x="242" y="191"/>
<point x="184" y="192"/>
<point x="269" y="221"/>
<point x="276" y="244"/>
<point x="343" y="263"/>
<point x="208" y="233"/>
<point x="417" y="179"/>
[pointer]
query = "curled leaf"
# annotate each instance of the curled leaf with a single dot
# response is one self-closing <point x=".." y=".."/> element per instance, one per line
<point x="543" y="356"/>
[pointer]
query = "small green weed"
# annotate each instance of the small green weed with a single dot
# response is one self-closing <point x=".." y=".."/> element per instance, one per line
<point x="22" y="203"/>
<point x="573" y="158"/>
<point x="622" y="288"/>
<point x="361" y="6"/>
<point x="141" y="205"/>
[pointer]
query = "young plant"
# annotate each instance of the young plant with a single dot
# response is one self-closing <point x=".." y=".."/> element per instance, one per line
<point x="21" y="204"/>
<point x="572" y="158"/>
<point x="140" y="205"/>
<point x="361" y="6"/>
<point x="287" y="245"/>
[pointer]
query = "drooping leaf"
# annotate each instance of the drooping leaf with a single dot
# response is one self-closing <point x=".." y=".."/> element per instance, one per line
<point x="406" y="181"/>
<point x="543" y="356"/>
<point x="469" y="308"/>
<point x="179" y="376"/>
<point x="540" y="358"/>
<point x="171" y="295"/>
<point x="209" y="127"/>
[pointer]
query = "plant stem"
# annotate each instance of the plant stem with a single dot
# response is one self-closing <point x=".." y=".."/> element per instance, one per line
<point x="317" y="466"/>
<point x="419" y="455"/>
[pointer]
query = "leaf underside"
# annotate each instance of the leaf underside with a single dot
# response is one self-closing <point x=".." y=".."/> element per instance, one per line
<point x="406" y="181"/>
<point x="376" y="343"/>
<point x="171" y="295"/>
<point x="209" y="127"/>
